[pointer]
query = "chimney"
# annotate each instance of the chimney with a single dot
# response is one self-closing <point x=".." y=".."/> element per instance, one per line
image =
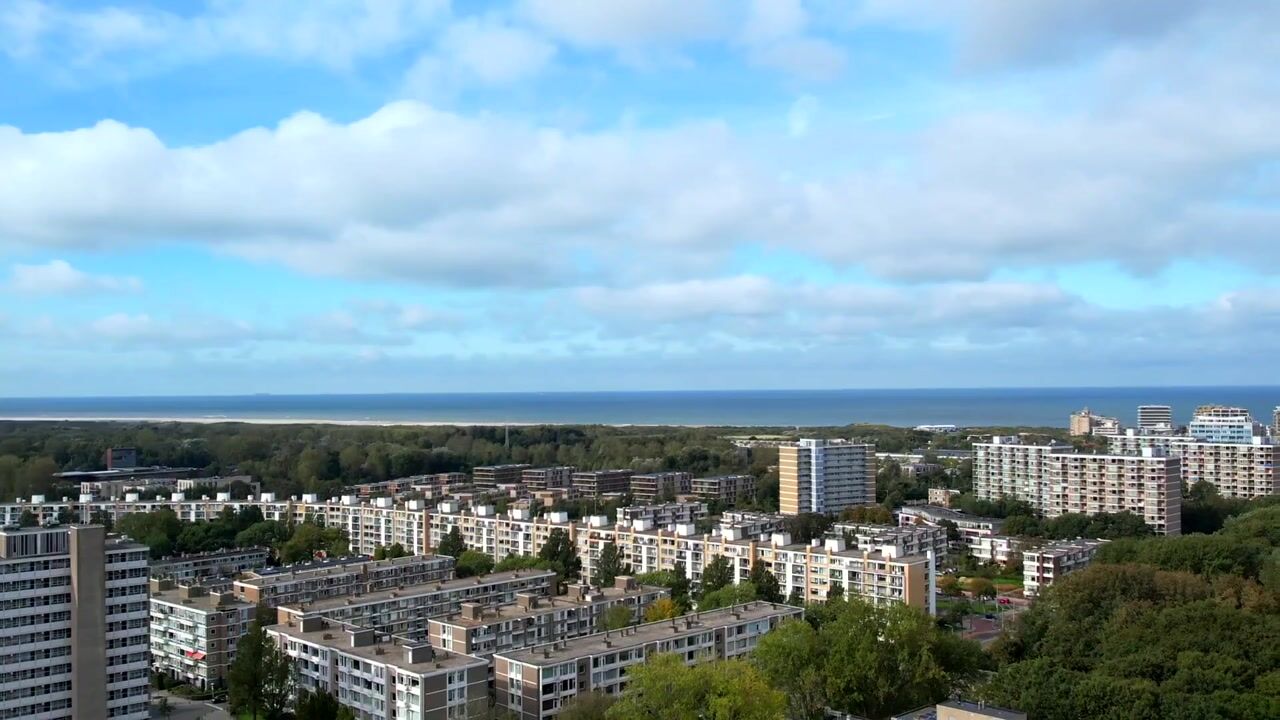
<point x="625" y="583"/>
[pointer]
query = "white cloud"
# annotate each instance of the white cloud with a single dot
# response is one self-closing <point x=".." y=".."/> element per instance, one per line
<point x="336" y="33"/>
<point x="495" y="53"/>
<point x="631" y="25"/>
<point x="58" y="277"/>
<point x="800" y="115"/>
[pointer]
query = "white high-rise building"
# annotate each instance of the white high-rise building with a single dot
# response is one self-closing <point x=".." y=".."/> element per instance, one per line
<point x="1219" y="424"/>
<point x="1054" y="480"/>
<point x="825" y="476"/>
<point x="1155" y="418"/>
<point x="73" y="641"/>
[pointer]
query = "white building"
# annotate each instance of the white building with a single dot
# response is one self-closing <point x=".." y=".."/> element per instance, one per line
<point x="653" y="487"/>
<point x="1043" y="566"/>
<point x="73" y="641"/>
<point x="665" y="514"/>
<point x="1237" y="469"/>
<point x="535" y="683"/>
<point x="825" y="476"/>
<point x="1220" y="424"/>
<point x="1155" y="419"/>
<point x="1054" y="481"/>
<point x="380" y="677"/>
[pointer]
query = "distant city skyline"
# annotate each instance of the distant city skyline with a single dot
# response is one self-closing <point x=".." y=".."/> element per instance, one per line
<point x="523" y="195"/>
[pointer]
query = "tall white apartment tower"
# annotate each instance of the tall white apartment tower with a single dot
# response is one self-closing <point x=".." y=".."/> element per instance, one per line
<point x="1155" y="418"/>
<point x="825" y="476"/>
<point x="1215" y="423"/>
<point x="73" y="643"/>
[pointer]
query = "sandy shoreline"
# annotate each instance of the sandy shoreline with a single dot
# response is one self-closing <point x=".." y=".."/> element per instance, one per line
<point x="205" y="420"/>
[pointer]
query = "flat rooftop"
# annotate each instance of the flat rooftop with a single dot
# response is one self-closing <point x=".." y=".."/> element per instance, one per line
<point x="386" y="650"/>
<point x="205" y="602"/>
<point x="544" y="605"/>
<point x="1066" y="547"/>
<point x="410" y="591"/>
<point x="335" y="566"/>
<point x="640" y="635"/>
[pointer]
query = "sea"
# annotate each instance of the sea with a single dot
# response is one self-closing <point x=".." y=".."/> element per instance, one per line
<point x="1041" y="407"/>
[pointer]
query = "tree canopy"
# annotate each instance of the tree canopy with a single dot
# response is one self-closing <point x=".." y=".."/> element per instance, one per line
<point x="664" y="688"/>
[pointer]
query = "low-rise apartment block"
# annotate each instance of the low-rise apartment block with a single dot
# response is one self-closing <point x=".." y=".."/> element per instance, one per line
<point x="942" y="497"/>
<point x="404" y="611"/>
<point x="194" y="632"/>
<point x="1236" y="470"/>
<point x="219" y="563"/>
<point x="665" y="514"/>
<point x="659" y="486"/>
<point x="597" y="483"/>
<point x="381" y="678"/>
<point x="491" y="476"/>
<point x="73" y="641"/>
<point x="904" y="539"/>
<point x="750" y="524"/>
<point x="339" y="578"/>
<point x="962" y="710"/>
<point x="728" y="489"/>
<point x="536" y="619"/>
<point x="535" y="683"/>
<point x="548" y="478"/>
<point x="1043" y="566"/>
<point x="1054" y="480"/>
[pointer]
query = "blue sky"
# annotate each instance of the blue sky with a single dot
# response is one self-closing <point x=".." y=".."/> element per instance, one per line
<point x="225" y="196"/>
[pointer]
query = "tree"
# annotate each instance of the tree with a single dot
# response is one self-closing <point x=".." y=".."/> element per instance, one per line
<point x="518" y="562"/>
<point x="835" y="591"/>
<point x="560" y="552"/>
<point x="661" y="609"/>
<point x="261" y="677"/>
<point x="311" y="539"/>
<point x="391" y="552"/>
<point x="27" y="519"/>
<point x="592" y="705"/>
<point x="664" y="688"/>
<point x="345" y="713"/>
<point x="616" y="618"/>
<point x="610" y="565"/>
<point x="717" y="574"/>
<point x="452" y="544"/>
<point x="727" y="596"/>
<point x="795" y="598"/>
<point x="267" y="533"/>
<point x="866" y="660"/>
<point x="163" y="708"/>
<point x="766" y="584"/>
<point x="472" y="562"/>
<point x="953" y="530"/>
<point x="870" y="514"/>
<point x="787" y="660"/>
<point x="949" y="585"/>
<point x="981" y="587"/>
<point x="316" y="706"/>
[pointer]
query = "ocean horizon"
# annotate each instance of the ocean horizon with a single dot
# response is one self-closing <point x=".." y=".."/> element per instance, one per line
<point x="1045" y="407"/>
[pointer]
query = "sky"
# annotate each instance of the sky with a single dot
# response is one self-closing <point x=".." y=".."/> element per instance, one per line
<point x="233" y="196"/>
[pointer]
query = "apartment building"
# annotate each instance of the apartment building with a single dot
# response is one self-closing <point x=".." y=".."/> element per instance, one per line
<point x="1054" y="481"/>
<point x="1238" y="470"/>
<point x="647" y="547"/>
<point x="728" y="489"/>
<point x="548" y="478"/>
<point x="879" y="577"/>
<point x="1043" y="566"/>
<point x="942" y="497"/>
<point x="1155" y="419"/>
<point x="904" y="539"/>
<point x="404" y="611"/>
<point x="1086" y="422"/>
<point x="194" y="632"/>
<point x="653" y="487"/>
<point x="536" y="619"/>
<point x="380" y="522"/>
<point x="491" y="476"/>
<point x="338" y="577"/>
<point x="210" y="564"/>
<point x="825" y="476"/>
<point x="596" y="483"/>
<point x="1000" y="549"/>
<point x="1134" y="442"/>
<point x="665" y="514"/>
<point x="976" y="533"/>
<point x="380" y="677"/>
<point x="750" y="524"/>
<point x="73" y="636"/>
<point x="1221" y="424"/>
<point x="535" y="683"/>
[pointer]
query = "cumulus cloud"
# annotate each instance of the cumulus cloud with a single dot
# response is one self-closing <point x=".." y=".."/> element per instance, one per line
<point x="58" y="277"/>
